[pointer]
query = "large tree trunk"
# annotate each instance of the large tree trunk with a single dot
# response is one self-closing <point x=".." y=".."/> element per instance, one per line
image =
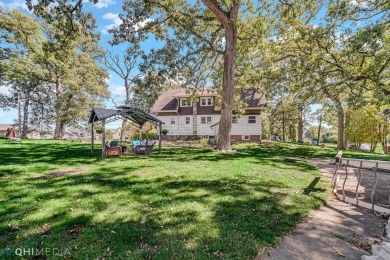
<point x="283" y="129"/>
<point x="26" y="106"/>
<point x="59" y="127"/>
<point x="225" y="124"/>
<point x="319" y="130"/>
<point x="340" y="128"/>
<point x="300" y="126"/>
<point x="292" y="133"/>
<point x="229" y="22"/>
<point x="341" y="142"/>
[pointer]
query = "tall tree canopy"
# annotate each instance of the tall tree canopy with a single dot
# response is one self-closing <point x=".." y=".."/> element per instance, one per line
<point x="67" y="64"/>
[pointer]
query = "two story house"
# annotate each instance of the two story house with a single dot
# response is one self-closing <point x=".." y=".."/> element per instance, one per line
<point x="184" y="118"/>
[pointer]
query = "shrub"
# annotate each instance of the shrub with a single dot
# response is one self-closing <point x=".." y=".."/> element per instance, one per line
<point x="99" y="129"/>
<point x="145" y="135"/>
<point x="164" y="131"/>
<point x="109" y="135"/>
<point x="204" y="143"/>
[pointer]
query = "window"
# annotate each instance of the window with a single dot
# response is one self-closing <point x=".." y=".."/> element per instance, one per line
<point x="173" y="120"/>
<point x="246" y="137"/>
<point x="252" y="120"/>
<point x="234" y="119"/>
<point x="206" y="101"/>
<point x="188" y="120"/>
<point x="184" y="102"/>
<point x="205" y="120"/>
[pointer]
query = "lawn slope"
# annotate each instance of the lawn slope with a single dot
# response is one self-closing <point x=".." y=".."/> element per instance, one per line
<point x="184" y="203"/>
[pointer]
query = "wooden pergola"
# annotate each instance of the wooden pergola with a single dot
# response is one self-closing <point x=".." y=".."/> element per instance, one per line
<point x="102" y="116"/>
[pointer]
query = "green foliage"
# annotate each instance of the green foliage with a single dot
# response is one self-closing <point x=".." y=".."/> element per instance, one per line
<point x="148" y="135"/>
<point x="366" y="125"/>
<point x="164" y="131"/>
<point x="99" y="128"/>
<point x="204" y="143"/>
<point x="195" y="137"/>
<point x="109" y="135"/>
<point x="327" y="135"/>
<point x="66" y="63"/>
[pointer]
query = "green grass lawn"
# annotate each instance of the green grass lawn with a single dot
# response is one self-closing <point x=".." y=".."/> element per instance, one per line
<point x="184" y="203"/>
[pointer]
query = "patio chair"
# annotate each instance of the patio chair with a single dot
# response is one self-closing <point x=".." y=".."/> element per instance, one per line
<point x="114" y="143"/>
<point x="145" y="147"/>
<point x="113" y="150"/>
<point x="134" y="144"/>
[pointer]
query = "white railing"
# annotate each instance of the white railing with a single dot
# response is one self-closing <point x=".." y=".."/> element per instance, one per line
<point x="370" y="167"/>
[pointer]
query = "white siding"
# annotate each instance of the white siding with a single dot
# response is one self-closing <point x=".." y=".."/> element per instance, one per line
<point x="204" y="129"/>
<point x="181" y="128"/>
<point x="185" y="129"/>
<point x="244" y="128"/>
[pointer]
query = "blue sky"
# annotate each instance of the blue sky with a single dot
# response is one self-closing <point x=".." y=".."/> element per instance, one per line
<point x="106" y="15"/>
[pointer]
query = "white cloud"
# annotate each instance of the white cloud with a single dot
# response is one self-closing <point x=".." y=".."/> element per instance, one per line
<point x="117" y="90"/>
<point x="116" y="21"/>
<point x="4" y="90"/>
<point x="110" y="16"/>
<point x="101" y="3"/>
<point x="142" y="23"/>
<point x="104" y="3"/>
<point x="360" y="3"/>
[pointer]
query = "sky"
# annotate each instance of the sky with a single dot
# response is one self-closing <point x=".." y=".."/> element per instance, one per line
<point x="106" y="15"/>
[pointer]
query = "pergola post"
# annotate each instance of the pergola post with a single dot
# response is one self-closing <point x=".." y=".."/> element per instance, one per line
<point x="140" y="132"/>
<point x="159" y="138"/>
<point x="104" y="139"/>
<point x="92" y="139"/>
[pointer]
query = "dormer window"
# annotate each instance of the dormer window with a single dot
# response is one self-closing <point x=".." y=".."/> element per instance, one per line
<point x="184" y="102"/>
<point x="206" y="101"/>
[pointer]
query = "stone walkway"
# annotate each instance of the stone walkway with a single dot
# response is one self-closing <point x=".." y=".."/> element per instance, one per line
<point x="335" y="231"/>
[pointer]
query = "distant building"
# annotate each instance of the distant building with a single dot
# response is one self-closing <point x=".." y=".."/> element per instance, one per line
<point x="4" y="127"/>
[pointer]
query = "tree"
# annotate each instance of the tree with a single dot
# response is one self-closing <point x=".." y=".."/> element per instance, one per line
<point x="123" y="65"/>
<point x="347" y="66"/>
<point x="368" y="125"/>
<point x="212" y="34"/>
<point x="67" y="64"/>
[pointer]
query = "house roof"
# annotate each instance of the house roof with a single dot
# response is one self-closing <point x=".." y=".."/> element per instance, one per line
<point x="168" y="101"/>
<point x="253" y="98"/>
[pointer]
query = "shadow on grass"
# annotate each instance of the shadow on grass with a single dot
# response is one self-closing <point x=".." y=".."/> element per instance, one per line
<point x="227" y="221"/>
<point x="127" y="208"/>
